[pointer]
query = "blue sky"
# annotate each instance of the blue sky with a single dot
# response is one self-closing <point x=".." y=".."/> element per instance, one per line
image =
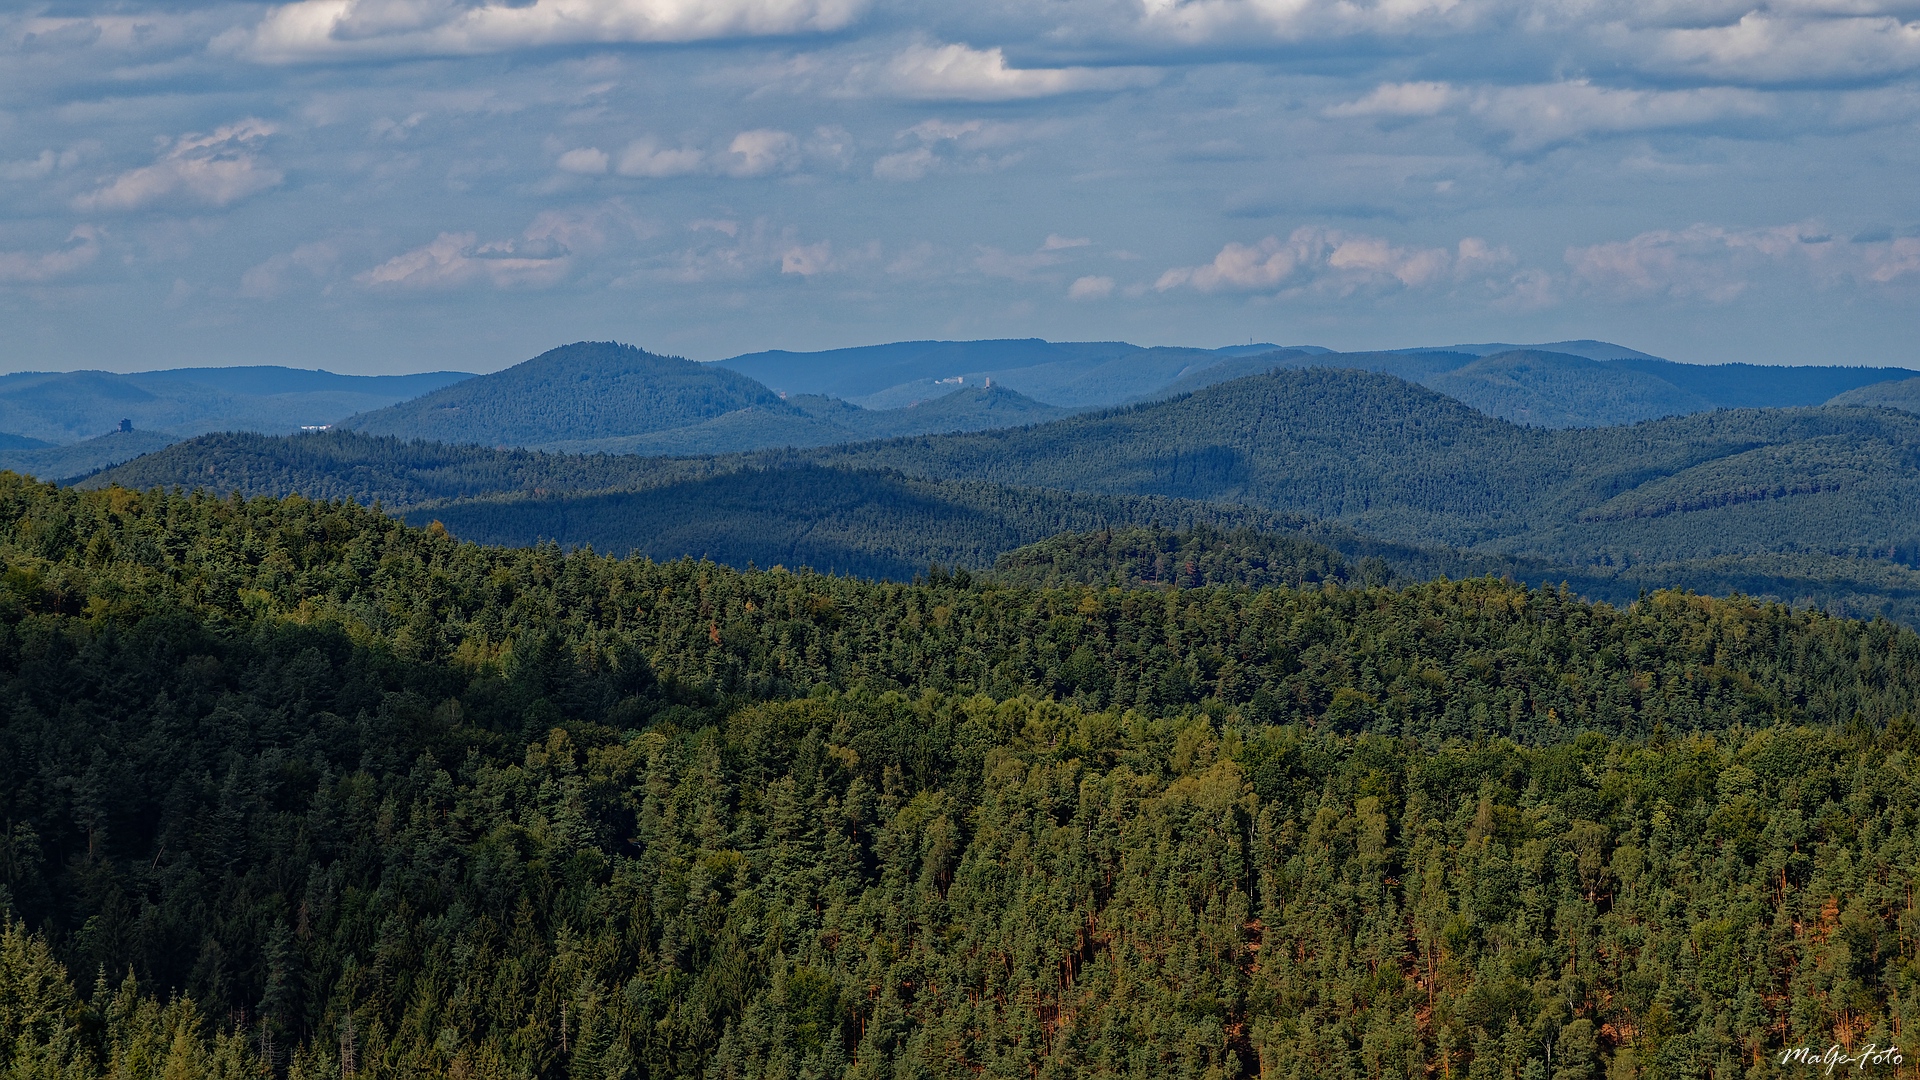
<point x="400" y="185"/>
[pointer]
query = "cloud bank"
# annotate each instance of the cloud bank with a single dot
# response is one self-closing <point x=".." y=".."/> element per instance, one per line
<point x="215" y="170"/>
<point x="317" y="30"/>
<point x="416" y="180"/>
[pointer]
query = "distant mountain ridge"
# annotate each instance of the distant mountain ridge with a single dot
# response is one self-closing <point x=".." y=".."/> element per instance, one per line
<point x="604" y="397"/>
<point x="610" y="398"/>
<point x="1072" y="374"/>
<point x="1404" y="463"/>
<point x="68" y="406"/>
<point x="63" y="424"/>
<point x="1580" y="383"/>
<point x="1808" y="506"/>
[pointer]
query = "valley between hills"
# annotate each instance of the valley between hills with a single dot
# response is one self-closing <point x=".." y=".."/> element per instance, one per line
<point x="1541" y="713"/>
<point x="1809" y="502"/>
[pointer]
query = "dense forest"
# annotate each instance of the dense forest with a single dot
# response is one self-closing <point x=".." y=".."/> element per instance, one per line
<point x="1810" y="506"/>
<point x="1403" y="463"/>
<point x="1138" y="557"/>
<point x="1381" y="456"/>
<point x="292" y="788"/>
<point x="393" y="472"/>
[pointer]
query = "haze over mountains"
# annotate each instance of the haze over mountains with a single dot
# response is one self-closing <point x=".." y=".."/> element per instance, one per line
<point x="1815" y="504"/>
<point x="68" y="423"/>
<point x="1579" y="460"/>
<point x="606" y="398"/>
<point x="1560" y="384"/>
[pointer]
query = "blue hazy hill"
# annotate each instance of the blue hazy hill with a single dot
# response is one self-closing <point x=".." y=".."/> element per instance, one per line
<point x="69" y="406"/>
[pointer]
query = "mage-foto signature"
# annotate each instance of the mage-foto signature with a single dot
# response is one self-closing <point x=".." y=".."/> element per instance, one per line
<point x="1834" y="1057"/>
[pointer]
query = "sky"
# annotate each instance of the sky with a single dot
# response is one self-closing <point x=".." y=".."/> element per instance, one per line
<point x="377" y="186"/>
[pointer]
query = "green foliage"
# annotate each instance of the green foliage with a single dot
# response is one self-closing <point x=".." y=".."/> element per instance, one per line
<point x="1550" y="389"/>
<point x="82" y="458"/>
<point x="1893" y="394"/>
<point x="1156" y="556"/>
<point x="1402" y="463"/>
<point x="811" y="420"/>
<point x="1367" y="451"/>
<point x="381" y="469"/>
<point x="1817" y="514"/>
<point x="302" y="782"/>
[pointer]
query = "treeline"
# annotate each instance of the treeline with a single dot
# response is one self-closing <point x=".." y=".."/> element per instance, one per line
<point x="778" y="509"/>
<point x="320" y="784"/>
<point x="381" y="469"/>
<point x="1373" y="453"/>
<point x="1438" y="660"/>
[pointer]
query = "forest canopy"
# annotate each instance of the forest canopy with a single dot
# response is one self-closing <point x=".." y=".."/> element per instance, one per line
<point x="292" y="788"/>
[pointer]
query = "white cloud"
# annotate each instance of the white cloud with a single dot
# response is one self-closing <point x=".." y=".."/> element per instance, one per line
<point x="906" y="165"/>
<point x="1698" y="262"/>
<point x="269" y="278"/>
<point x="1764" y="47"/>
<point x="807" y="261"/>
<point x="217" y="169"/>
<point x="1544" y="114"/>
<point x="645" y="157"/>
<point x="930" y="131"/>
<point x="28" y="267"/>
<point x="1401" y="99"/>
<point x="1217" y="21"/>
<point x="757" y="153"/>
<point x="36" y="168"/>
<point x="458" y="259"/>
<point x="943" y="144"/>
<point x="1891" y="260"/>
<point x="543" y="255"/>
<point x="1033" y="265"/>
<point x="586" y="160"/>
<point x="963" y="73"/>
<point x="347" y="29"/>
<point x="725" y="250"/>
<point x="1716" y="264"/>
<point x="760" y="152"/>
<point x="830" y="144"/>
<point x="1328" y="259"/>
<point x="1090" y="288"/>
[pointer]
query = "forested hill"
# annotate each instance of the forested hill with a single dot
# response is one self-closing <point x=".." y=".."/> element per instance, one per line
<point x="1381" y="455"/>
<point x="1812" y="506"/>
<point x="587" y="390"/>
<point x="382" y="469"/>
<point x="1405" y="463"/>
<point x="1138" y="556"/>
<point x="1904" y="394"/>
<point x="294" y="789"/>
<point x="1560" y="384"/>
